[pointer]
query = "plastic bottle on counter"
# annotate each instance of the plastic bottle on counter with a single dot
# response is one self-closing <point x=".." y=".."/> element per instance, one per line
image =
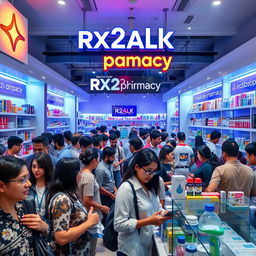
<point x="198" y="187"/>
<point x="180" y="248"/>
<point x="191" y="229"/>
<point x="190" y="186"/>
<point x="191" y="250"/>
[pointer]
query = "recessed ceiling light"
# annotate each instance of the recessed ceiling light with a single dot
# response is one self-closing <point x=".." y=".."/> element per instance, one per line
<point x="43" y="77"/>
<point x="144" y="96"/>
<point x="216" y="3"/>
<point x="61" y="2"/>
<point x="107" y="96"/>
<point x="93" y="72"/>
<point x="208" y="78"/>
<point x="220" y="73"/>
<point x="160" y="72"/>
<point x="189" y="28"/>
<point x="30" y="71"/>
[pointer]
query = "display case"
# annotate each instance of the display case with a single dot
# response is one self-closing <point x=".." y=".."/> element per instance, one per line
<point x="173" y="115"/>
<point x="239" y="225"/>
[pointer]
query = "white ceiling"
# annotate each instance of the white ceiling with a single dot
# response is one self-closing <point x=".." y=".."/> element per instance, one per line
<point x="46" y="17"/>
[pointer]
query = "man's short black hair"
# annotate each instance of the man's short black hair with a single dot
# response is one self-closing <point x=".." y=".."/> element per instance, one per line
<point x="154" y="134"/>
<point x="96" y="140"/>
<point x="118" y="134"/>
<point x="112" y="136"/>
<point x="14" y="140"/>
<point x="251" y="148"/>
<point x="67" y="135"/>
<point x="136" y="143"/>
<point x="48" y="135"/>
<point x="181" y="136"/>
<point x="114" y="127"/>
<point x="215" y="135"/>
<point x="164" y="136"/>
<point x="103" y="128"/>
<point x="75" y="138"/>
<point x="85" y="141"/>
<point x="108" y="151"/>
<point x="104" y="137"/>
<point x="230" y="147"/>
<point x="132" y="134"/>
<point x="94" y="132"/>
<point x="41" y="139"/>
<point x="59" y="139"/>
<point x="143" y="132"/>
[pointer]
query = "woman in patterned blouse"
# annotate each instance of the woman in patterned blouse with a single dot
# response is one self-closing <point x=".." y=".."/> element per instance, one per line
<point x="15" y="227"/>
<point x="69" y="218"/>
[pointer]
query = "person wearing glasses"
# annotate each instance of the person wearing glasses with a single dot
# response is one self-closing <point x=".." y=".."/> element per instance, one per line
<point x="16" y="227"/>
<point x="135" y="237"/>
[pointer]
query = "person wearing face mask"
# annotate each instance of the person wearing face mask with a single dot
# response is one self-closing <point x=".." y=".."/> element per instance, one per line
<point x="105" y="178"/>
<point x="16" y="228"/>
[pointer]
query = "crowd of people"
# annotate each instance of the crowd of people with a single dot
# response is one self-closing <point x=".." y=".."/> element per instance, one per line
<point x="74" y="181"/>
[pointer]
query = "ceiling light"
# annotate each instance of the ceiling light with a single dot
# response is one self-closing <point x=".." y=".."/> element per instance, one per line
<point x="189" y="28"/>
<point x="107" y="96"/>
<point x="30" y="71"/>
<point x="144" y="96"/>
<point x="93" y="72"/>
<point x="61" y="2"/>
<point x="43" y="77"/>
<point x="220" y="73"/>
<point x="216" y="3"/>
<point x="208" y="78"/>
<point x="160" y="72"/>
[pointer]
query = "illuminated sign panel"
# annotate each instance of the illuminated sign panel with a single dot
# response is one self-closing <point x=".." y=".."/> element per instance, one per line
<point x="209" y="94"/>
<point x="245" y="84"/>
<point x="13" y="32"/>
<point x="125" y="84"/>
<point x="124" y="110"/>
<point x="55" y="100"/>
<point x="95" y="40"/>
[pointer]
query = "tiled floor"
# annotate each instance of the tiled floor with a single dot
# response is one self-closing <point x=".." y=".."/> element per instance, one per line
<point x="102" y="251"/>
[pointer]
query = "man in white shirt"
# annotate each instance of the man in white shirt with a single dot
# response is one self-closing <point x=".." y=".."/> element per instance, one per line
<point x="214" y="139"/>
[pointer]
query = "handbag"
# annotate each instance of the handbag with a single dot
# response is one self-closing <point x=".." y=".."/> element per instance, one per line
<point x="40" y="244"/>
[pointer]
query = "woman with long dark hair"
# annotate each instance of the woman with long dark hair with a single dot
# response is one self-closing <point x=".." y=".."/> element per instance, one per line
<point x="209" y="163"/>
<point x="41" y="172"/>
<point x="135" y="236"/>
<point x="70" y="220"/>
<point x="88" y="188"/>
<point x="16" y="226"/>
<point x="198" y="142"/>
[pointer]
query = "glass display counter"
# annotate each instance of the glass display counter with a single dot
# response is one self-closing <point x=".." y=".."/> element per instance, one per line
<point x="239" y="224"/>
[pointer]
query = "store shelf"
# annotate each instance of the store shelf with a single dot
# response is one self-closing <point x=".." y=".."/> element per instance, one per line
<point x="58" y="117"/>
<point x="224" y="128"/>
<point x="8" y="130"/>
<point x="174" y="117"/>
<point x="57" y="127"/>
<point x="222" y="109"/>
<point x="205" y="111"/>
<point x="174" y="124"/>
<point x="15" y="114"/>
<point x="26" y="128"/>
<point x="27" y="141"/>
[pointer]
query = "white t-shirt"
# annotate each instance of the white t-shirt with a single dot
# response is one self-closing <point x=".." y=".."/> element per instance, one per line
<point x="212" y="147"/>
<point x="182" y="155"/>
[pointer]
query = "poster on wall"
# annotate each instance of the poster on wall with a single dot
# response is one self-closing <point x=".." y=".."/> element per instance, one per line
<point x="13" y="32"/>
<point x="55" y="100"/>
<point x="124" y="84"/>
<point x="209" y="94"/>
<point x="12" y="87"/>
<point x="124" y="110"/>
<point x="243" y="85"/>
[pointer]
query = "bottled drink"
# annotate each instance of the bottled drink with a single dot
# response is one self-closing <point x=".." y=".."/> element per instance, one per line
<point x="190" y="187"/>
<point x="198" y="187"/>
<point x="191" y="250"/>
<point x="180" y="248"/>
<point x="191" y="228"/>
<point x="210" y="224"/>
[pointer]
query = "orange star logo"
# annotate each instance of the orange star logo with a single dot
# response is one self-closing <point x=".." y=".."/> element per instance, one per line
<point x="7" y="30"/>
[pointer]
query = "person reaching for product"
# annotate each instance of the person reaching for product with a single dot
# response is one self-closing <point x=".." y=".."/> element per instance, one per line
<point x="16" y="228"/>
<point x="135" y="236"/>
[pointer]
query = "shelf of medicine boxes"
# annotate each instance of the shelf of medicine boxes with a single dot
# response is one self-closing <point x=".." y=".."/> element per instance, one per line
<point x="16" y="128"/>
<point x="53" y="125"/>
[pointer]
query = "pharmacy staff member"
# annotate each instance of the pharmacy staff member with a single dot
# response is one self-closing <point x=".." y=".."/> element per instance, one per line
<point x="183" y="156"/>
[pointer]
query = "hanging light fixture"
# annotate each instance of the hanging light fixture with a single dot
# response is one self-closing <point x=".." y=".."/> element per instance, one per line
<point x="131" y="19"/>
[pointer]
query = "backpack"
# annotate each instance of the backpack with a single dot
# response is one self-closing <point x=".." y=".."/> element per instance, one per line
<point x="110" y="235"/>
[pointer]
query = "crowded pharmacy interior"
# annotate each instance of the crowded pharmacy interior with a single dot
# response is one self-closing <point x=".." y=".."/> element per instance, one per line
<point x="128" y="127"/>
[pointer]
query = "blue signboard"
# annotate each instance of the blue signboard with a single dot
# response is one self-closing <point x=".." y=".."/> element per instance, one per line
<point x="124" y="110"/>
<point x="12" y="87"/>
<point x="55" y="100"/>
<point x="243" y="85"/>
<point x="210" y="94"/>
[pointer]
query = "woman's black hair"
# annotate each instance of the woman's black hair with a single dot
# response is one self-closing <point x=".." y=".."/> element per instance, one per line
<point x="89" y="154"/>
<point x="10" y="167"/>
<point x="172" y="142"/>
<point x="205" y="152"/>
<point x="44" y="161"/>
<point x="64" y="179"/>
<point x="165" y="150"/>
<point x="199" y="141"/>
<point x="144" y="158"/>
